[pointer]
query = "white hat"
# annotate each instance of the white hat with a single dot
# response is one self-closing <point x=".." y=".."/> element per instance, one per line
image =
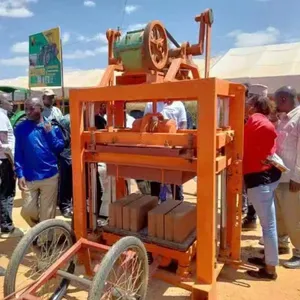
<point x="258" y="90"/>
<point x="48" y="92"/>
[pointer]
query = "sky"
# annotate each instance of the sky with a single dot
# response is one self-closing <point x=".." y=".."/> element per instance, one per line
<point x="83" y="23"/>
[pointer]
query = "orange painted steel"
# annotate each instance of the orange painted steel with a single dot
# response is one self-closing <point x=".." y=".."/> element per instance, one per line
<point x="207" y="140"/>
<point x="208" y="151"/>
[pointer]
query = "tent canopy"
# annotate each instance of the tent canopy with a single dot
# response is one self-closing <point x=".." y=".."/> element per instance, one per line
<point x="271" y="65"/>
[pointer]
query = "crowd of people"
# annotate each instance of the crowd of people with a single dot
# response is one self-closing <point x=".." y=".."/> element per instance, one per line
<point x="271" y="168"/>
<point x="38" y="155"/>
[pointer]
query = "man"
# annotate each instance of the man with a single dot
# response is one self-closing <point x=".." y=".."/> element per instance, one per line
<point x="7" y="177"/>
<point x="287" y="195"/>
<point x="174" y="110"/>
<point x="37" y="146"/>
<point x="65" y="174"/>
<point x="50" y="112"/>
<point x="249" y="221"/>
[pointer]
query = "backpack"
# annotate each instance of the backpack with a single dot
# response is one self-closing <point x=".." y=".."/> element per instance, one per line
<point x="65" y="132"/>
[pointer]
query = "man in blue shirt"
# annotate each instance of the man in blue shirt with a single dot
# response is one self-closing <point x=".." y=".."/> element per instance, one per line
<point x="38" y="145"/>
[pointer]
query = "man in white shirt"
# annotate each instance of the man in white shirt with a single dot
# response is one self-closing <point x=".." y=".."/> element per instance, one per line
<point x="287" y="194"/>
<point x="173" y="110"/>
<point x="7" y="177"/>
<point x="50" y="112"/>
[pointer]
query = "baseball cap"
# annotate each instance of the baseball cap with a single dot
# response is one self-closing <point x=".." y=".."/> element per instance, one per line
<point x="48" y="92"/>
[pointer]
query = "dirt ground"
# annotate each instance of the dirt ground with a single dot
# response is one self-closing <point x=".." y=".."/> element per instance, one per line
<point x="232" y="283"/>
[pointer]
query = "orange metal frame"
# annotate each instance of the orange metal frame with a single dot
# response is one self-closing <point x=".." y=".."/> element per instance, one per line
<point x="214" y="149"/>
<point x="207" y="139"/>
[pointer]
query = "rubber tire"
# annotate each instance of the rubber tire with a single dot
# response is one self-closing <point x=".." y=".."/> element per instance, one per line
<point x="21" y="249"/>
<point x="109" y="260"/>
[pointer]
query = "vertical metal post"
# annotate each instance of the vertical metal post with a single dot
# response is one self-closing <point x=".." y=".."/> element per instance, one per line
<point x="223" y="210"/>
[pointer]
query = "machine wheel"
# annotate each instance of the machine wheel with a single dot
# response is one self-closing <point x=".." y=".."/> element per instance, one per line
<point x="123" y="272"/>
<point x="155" y="46"/>
<point x="45" y="242"/>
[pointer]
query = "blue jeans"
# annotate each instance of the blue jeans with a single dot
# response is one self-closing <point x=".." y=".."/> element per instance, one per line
<point x="262" y="198"/>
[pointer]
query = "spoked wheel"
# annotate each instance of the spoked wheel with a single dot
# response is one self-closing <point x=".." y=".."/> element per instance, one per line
<point x="41" y="247"/>
<point x="155" y="45"/>
<point x="123" y="272"/>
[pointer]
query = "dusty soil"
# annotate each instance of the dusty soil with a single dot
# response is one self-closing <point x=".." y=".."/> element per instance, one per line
<point x="232" y="283"/>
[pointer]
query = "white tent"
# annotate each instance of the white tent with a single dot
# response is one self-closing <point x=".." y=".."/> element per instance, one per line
<point x="271" y="65"/>
<point x="83" y="78"/>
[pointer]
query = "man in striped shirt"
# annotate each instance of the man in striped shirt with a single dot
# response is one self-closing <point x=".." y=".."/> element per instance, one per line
<point x="288" y="192"/>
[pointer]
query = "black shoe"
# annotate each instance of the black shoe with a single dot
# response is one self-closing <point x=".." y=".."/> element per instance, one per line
<point x="68" y="213"/>
<point x="281" y="251"/>
<point x="2" y="271"/>
<point x="249" y="224"/>
<point x="293" y="263"/>
<point x="262" y="274"/>
<point x="258" y="261"/>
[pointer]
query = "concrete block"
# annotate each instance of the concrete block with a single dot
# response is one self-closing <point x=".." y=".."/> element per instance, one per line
<point x="180" y="222"/>
<point x="136" y="213"/>
<point x="116" y="209"/>
<point x="156" y="218"/>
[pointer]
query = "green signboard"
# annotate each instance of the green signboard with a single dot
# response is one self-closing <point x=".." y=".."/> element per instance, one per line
<point x="45" y="59"/>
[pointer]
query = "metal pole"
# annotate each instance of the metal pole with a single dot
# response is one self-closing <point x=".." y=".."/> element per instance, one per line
<point x="223" y="209"/>
<point x="62" y="77"/>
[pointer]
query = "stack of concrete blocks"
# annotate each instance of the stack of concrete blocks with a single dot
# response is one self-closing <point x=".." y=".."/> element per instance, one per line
<point x="131" y="212"/>
<point x="173" y="221"/>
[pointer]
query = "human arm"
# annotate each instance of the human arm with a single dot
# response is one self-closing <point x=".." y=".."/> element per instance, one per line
<point x="19" y="159"/>
<point x="182" y="117"/>
<point x="54" y="138"/>
<point x="295" y="176"/>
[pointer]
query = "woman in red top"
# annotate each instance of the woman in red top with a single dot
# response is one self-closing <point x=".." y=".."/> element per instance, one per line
<point x="261" y="179"/>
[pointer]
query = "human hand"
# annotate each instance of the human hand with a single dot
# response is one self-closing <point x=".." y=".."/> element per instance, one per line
<point x="294" y="186"/>
<point x="22" y="184"/>
<point x="48" y="127"/>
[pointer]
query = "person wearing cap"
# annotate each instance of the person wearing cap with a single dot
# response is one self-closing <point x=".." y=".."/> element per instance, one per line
<point x="38" y="145"/>
<point x="252" y="90"/>
<point x="7" y="176"/>
<point x="287" y="194"/>
<point x="50" y="112"/>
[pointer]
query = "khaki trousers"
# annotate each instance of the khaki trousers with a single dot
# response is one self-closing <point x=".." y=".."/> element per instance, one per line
<point x="288" y="216"/>
<point x="40" y="200"/>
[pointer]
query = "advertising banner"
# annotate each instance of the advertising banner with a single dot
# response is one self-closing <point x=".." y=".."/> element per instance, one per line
<point x="45" y="59"/>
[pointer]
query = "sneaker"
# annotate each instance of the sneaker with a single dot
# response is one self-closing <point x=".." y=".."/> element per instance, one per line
<point x="2" y="271"/>
<point x="248" y="224"/>
<point x="293" y="263"/>
<point x="262" y="274"/>
<point x="15" y="233"/>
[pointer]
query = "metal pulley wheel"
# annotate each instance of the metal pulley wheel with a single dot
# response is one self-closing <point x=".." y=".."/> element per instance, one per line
<point x="155" y="46"/>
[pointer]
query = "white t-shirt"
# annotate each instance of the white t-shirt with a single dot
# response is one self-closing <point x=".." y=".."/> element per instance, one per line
<point x="175" y="111"/>
<point x="7" y="138"/>
<point x="129" y="120"/>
